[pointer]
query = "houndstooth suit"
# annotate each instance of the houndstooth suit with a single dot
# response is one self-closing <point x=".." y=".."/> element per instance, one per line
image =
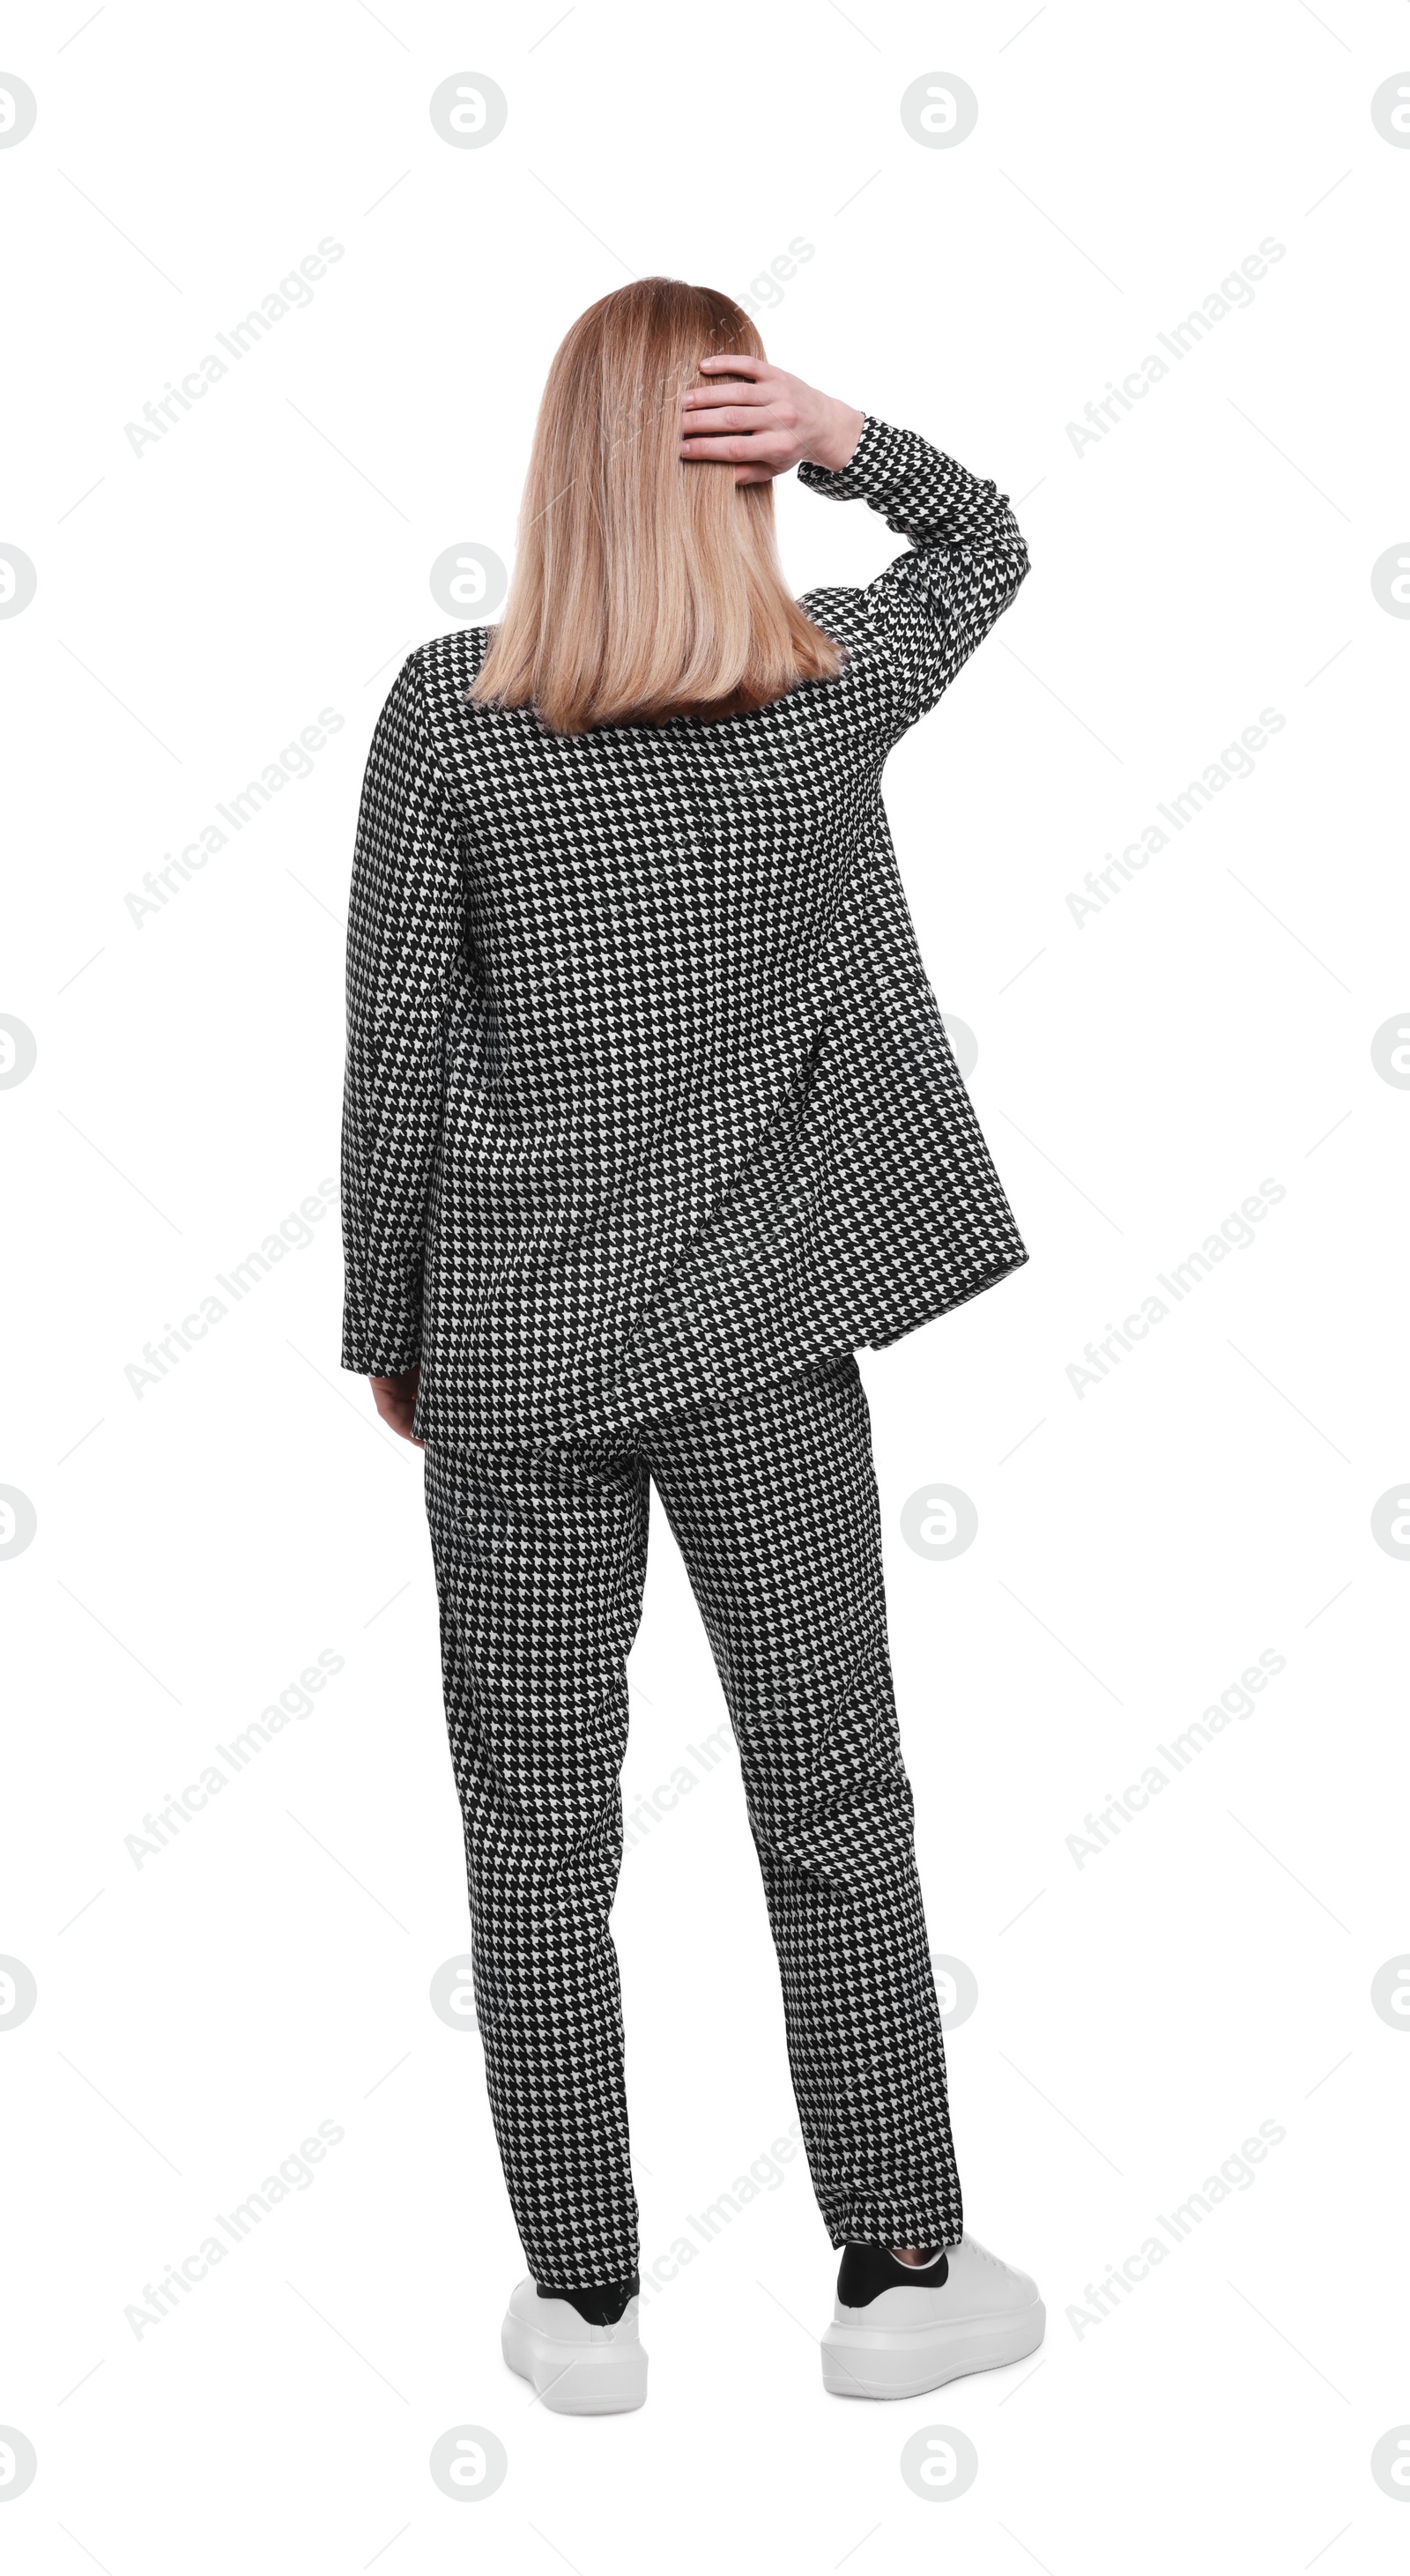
<point x="650" y="1121"/>
<point x="648" y="1097"/>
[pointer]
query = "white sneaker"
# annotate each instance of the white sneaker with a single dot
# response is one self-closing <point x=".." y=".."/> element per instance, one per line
<point x="577" y="2368"/>
<point x="901" y="2328"/>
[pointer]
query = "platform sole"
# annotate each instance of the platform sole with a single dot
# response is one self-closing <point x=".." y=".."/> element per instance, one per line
<point x="601" y="2379"/>
<point x="908" y="2361"/>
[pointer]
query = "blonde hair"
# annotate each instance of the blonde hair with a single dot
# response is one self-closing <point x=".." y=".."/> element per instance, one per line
<point x="646" y="584"/>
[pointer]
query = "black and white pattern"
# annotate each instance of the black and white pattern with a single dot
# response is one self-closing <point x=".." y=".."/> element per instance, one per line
<point x="649" y="1101"/>
<point x="540" y="1560"/>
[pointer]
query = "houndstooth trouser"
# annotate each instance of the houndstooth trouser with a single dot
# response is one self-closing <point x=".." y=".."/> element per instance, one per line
<point x="540" y="1562"/>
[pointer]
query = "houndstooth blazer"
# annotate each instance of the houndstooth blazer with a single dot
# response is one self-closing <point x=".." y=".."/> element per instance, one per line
<point x="648" y="1098"/>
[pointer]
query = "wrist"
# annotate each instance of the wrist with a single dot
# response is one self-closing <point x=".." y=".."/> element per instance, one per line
<point x="836" y="443"/>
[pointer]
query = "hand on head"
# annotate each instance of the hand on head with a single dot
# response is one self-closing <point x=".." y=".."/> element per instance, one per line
<point x="766" y="422"/>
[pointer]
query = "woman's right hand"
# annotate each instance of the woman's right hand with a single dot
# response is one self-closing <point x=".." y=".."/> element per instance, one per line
<point x="766" y="423"/>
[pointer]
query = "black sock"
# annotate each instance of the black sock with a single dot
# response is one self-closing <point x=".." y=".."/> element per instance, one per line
<point x="605" y="2305"/>
<point x="867" y="2270"/>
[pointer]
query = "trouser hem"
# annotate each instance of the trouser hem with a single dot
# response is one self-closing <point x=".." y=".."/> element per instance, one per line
<point x="880" y="2222"/>
<point x="589" y="2274"/>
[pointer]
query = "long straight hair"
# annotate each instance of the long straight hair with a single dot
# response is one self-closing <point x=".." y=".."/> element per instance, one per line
<point x="646" y="584"/>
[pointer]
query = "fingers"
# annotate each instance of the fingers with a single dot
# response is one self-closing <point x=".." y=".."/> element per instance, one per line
<point x="730" y="429"/>
<point x="742" y="450"/>
<point x="746" y="424"/>
<point x="395" y="1400"/>
<point x="745" y="399"/>
<point x="724" y="416"/>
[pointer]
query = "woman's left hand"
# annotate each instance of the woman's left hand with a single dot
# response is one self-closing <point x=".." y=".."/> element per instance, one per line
<point x="395" y="1399"/>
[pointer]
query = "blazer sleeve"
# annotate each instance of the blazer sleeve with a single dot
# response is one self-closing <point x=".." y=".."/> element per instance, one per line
<point x="405" y="934"/>
<point x="923" y="616"/>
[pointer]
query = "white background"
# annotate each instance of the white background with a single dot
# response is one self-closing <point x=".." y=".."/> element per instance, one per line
<point x="201" y="1540"/>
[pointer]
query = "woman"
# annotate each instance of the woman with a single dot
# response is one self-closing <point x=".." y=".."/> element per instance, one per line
<point x="650" y="1122"/>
